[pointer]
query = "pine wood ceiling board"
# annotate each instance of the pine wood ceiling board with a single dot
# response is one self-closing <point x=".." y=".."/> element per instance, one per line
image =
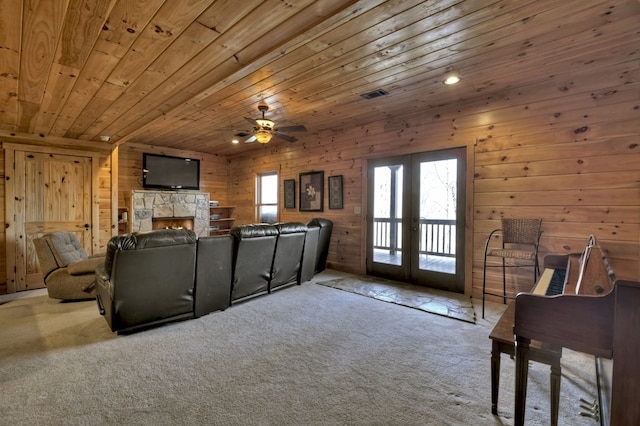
<point x="430" y="52"/>
<point x="416" y="66"/>
<point x="298" y="46"/>
<point x="368" y="33"/>
<point x="173" y="91"/>
<point x="84" y="20"/>
<point x="119" y="32"/>
<point x="245" y="53"/>
<point x="418" y="87"/>
<point x="201" y="33"/>
<point x="574" y="52"/>
<point x="551" y="100"/>
<point x="283" y="90"/>
<point x="252" y="102"/>
<point x="344" y="13"/>
<point x="163" y="29"/>
<point x="488" y="62"/>
<point x="357" y="35"/>
<point x="191" y="42"/>
<point x="42" y="26"/>
<point x="179" y="89"/>
<point x="10" y="30"/>
<point x="224" y="14"/>
<point x="304" y="92"/>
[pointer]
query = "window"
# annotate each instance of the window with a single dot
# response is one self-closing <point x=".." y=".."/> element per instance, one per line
<point x="267" y="197"/>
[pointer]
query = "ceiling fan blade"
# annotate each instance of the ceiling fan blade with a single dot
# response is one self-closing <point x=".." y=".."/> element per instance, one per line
<point x="251" y="139"/>
<point x="252" y="121"/>
<point x="292" y="129"/>
<point x="285" y="137"/>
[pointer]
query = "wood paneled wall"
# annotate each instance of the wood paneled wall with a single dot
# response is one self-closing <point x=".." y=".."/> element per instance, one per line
<point x="566" y="151"/>
<point x="213" y="171"/>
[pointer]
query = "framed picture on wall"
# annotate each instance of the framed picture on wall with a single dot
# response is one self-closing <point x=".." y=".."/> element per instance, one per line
<point x="312" y="192"/>
<point x="335" y="192"/>
<point x="290" y="194"/>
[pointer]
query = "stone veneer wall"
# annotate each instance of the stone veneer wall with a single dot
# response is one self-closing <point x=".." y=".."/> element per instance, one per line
<point x="156" y="204"/>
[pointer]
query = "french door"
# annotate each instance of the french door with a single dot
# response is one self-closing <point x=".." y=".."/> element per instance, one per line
<point x="415" y="218"/>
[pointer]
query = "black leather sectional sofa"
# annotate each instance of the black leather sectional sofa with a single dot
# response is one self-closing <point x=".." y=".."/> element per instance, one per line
<point x="150" y="278"/>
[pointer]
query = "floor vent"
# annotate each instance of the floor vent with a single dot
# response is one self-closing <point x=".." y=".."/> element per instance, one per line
<point x="375" y="94"/>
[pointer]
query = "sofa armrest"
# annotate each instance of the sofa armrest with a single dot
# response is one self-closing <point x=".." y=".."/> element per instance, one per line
<point x="83" y="267"/>
<point x="101" y="273"/>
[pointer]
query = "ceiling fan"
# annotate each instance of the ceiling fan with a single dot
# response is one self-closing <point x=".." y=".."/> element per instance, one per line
<point x="264" y="129"/>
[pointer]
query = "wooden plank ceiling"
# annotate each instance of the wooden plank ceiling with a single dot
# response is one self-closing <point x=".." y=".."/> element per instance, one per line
<point x="183" y="74"/>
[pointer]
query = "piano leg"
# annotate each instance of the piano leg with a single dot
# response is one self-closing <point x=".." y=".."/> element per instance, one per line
<point x="495" y="375"/>
<point x="522" y="375"/>
<point x="555" y="390"/>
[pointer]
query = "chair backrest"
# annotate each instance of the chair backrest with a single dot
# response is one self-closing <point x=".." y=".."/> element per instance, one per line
<point x="288" y="254"/>
<point x="308" y="266"/>
<point x="214" y="262"/>
<point x="65" y="247"/>
<point x="254" y="247"/>
<point x="58" y="249"/>
<point x="152" y="276"/>
<point x="521" y="231"/>
<point x="324" y="239"/>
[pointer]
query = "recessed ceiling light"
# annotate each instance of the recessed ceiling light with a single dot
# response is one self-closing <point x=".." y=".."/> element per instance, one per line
<point x="451" y="78"/>
<point x="235" y="141"/>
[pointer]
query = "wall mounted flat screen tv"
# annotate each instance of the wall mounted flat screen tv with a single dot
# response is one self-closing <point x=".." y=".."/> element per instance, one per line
<point x="167" y="172"/>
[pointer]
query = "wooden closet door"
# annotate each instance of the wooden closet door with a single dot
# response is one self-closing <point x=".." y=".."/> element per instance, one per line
<point x="53" y="192"/>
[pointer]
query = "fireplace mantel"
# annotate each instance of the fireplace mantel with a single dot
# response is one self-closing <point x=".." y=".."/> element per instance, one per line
<point x="149" y="204"/>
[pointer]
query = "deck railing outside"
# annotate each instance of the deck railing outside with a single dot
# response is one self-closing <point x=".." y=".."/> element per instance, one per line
<point x="437" y="236"/>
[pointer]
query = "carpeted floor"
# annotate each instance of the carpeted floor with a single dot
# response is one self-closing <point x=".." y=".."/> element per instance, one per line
<point x="304" y="355"/>
<point x="430" y="300"/>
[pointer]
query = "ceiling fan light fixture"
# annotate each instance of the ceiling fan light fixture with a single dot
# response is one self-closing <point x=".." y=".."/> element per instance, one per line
<point x="263" y="136"/>
<point x="265" y="123"/>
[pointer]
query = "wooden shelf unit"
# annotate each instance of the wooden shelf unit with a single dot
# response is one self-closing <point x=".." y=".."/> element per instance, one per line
<point x="123" y="220"/>
<point x="224" y="221"/>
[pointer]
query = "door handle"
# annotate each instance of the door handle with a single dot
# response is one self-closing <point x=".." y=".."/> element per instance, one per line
<point x="87" y="226"/>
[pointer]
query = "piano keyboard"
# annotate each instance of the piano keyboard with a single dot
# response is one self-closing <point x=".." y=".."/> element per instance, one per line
<point x="551" y="282"/>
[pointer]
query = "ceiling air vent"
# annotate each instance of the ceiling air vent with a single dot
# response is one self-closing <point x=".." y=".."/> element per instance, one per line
<point x="375" y="94"/>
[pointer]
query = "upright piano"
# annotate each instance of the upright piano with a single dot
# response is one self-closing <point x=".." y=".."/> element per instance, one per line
<point x="578" y="304"/>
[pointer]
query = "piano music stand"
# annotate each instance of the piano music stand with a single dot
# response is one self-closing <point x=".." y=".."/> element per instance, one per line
<point x="520" y="240"/>
<point x="502" y="341"/>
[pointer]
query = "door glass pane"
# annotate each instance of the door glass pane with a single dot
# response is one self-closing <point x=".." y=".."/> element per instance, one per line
<point x="437" y="232"/>
<point x="387" y="215"/>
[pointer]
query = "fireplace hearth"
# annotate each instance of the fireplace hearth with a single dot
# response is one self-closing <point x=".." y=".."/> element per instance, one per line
<point x="172" y="223"/>
<point x="170" y="209"/>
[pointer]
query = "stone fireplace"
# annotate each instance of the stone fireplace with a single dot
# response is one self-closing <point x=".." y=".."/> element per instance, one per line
<point x="170" y="209"/>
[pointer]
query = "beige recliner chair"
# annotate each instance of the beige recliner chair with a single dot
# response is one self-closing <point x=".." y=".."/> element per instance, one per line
<point x="67" y="270"/>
